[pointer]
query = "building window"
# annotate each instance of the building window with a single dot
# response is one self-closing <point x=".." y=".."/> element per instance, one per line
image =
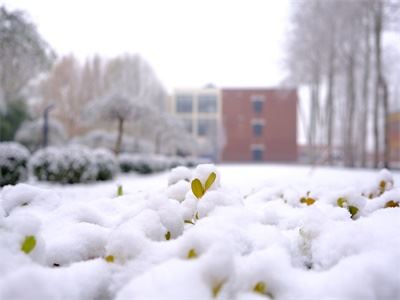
<point x="258" y="101"/>
<point x="206" y="127"/>
<point x="207" y="103"/>
<point x="184" y="103"/>
<point x="257" y="129"/>
<point x="257" y="154"/>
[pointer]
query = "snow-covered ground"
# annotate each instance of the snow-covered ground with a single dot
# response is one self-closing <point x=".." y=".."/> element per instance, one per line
<point x="252" y="235"/>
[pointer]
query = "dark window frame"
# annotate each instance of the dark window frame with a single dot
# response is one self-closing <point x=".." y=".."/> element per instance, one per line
<point x="179" y="103"/>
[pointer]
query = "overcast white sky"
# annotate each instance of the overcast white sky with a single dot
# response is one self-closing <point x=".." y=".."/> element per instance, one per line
<point x="189" y="43"/>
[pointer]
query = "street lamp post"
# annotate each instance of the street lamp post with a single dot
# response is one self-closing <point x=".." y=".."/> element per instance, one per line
<point x="46" y="111"/>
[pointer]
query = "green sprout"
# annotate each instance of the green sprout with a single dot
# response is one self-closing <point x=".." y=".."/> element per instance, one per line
<point x="192" y="254"/>
<point x="342" y="202"/>
<point x="120" y="191"/>
<point x="382" y="186"/>
<point x="217" y="288"/>
<point x="197" y="187"/>
<point x="392" y="203"/>
<point x="307" y="200"/>
<point x="353" y="211"/>
<point x="109" y="258"/>
<point x="260" y="287"/>
<point x="168" y="235"/>
<point x="29" y="244"/>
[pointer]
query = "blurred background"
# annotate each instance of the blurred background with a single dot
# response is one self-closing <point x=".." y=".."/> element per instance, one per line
<point x="295" y="81"/>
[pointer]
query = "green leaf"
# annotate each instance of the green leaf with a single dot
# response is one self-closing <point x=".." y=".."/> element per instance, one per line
<point x="109" y="258"/>
<point x="192" y="254"/>
<point x="353" y="210"/>
<point x="341" y="201"/>
<point x="120" y="191"/>
<point x="29" y="244"/>
<point x="260" y="288"/>
<point x="197" y="188"/>
<point x="168" y="236"/>
<point x="217" y="288"/>
<point x="308" y="200"/>
<point x="210" y="180"/>
<point x="391" y="203"/>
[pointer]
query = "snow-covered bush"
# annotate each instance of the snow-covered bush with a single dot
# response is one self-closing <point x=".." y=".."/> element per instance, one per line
<point x="106" y="164"/>
<point x="143" y="164"/>
<point x="73" y="164"/>
<point x="13" y="163"/>
<point x="150" y="163"/>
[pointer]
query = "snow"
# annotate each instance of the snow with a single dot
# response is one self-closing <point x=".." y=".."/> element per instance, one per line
<point x="250" y="230"/>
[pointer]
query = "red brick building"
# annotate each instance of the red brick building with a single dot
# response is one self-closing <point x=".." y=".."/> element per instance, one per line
<point x="260" y="125"/>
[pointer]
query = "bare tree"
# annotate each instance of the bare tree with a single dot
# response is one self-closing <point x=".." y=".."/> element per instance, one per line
<point x="23" y="53"/>
<point x="326" y="53"/>
<point x="365" y="88"/>
<point x="61" y="88"/>
<point x="128" y="95"/>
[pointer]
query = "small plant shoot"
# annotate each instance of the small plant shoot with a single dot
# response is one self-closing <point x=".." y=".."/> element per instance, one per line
<point x="168" y="235"/>
<point x="392" y="203"/>
<point x="260" y="288"/>
<point x="120" y="190"/>
<point x="29" y="244"/>
<point x="217" y="288"/>
<point x="341" y="202"/>
<point x="353" y="211"/>
<point x="210" y="180"/>
<point x="197" y="187"/>
<point x="109" y="258"/>
<point x="307" y="200"/>
<point x="192" y="254"/>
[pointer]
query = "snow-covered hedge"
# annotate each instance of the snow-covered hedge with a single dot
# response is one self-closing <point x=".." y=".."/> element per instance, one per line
<point x="13" y="163"/>
<point x="143" y="164"/>
<point x="106" y="164"/>
<point x="73" y="164"/>
<point x="150" y="163"/>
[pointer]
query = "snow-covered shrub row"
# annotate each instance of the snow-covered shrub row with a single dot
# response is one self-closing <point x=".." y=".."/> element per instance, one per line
<point x="106" y="164"/>
<point x="13" y="163"/>
<point x="73" y="164"/>
<point x="150" y="163"/>
<point x="198" y="239"/>
<point x="142" y="163"/>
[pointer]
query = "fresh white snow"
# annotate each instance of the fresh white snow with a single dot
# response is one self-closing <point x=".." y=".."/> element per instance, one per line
<point x="250" y="236"/>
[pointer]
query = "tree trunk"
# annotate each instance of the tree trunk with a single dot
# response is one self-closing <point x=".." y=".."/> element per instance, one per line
<point x="365" y="100"/>
<point x="118" y="143"/>
<point x="330" y="109"/>
<point x="351" y="97"/>
<point x="381" y="89"/>
<point x="314" y="117"/>
<point x="385" y="98"/>
<point x="377" y="35"/>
